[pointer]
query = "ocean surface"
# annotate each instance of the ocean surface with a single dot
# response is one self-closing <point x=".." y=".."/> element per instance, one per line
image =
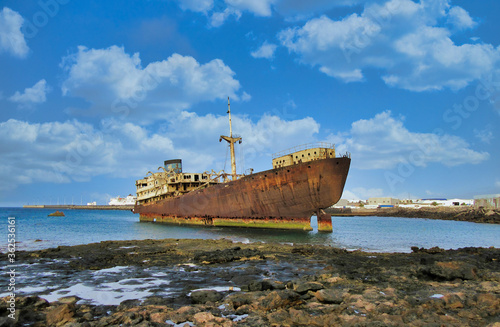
<point x="35" y="230"/>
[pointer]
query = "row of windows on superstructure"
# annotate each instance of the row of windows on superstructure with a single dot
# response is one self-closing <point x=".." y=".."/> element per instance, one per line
<point x="297" y="157"/>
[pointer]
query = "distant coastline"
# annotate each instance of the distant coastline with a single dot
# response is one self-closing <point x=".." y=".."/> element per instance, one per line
<point x="471" y="214"/>
<point x="80" y="207"/>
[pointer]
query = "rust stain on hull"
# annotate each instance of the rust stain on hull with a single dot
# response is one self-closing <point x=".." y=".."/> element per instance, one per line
<point x="283" y="198"/>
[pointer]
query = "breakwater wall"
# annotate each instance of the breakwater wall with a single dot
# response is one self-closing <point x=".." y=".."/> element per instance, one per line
<point x="80" y="207"/>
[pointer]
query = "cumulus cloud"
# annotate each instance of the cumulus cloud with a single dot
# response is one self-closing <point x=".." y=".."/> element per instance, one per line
<point x="114" y="82"/>
<point x="219" y="11"/>
<point x="257" y="7"/>
<point x="383" y="142"/>
<point x="218" y="18"/>
<point x="32" y="95"/>
<point x="62" y="152"/>
<point x="400" y="38"/>
<point x="11" y="38"/>
<point x="265" y="51"/>
<point x="460" y="18"/>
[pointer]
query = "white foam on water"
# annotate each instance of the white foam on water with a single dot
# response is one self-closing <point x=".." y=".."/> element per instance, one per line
<point x="113" y="270"/>
<point x="239" y="317"/>
<point x="182" y="324"/>
<point x="45" y="274"/>
<point x="109" y="293"/>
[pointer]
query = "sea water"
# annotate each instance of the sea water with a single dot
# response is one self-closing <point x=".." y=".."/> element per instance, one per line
<point x="35" y="230"/>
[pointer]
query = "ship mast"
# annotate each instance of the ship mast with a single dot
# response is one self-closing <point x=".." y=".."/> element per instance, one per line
<point x="231" y="140"/>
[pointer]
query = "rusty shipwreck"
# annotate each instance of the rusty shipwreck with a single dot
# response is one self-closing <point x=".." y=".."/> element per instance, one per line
<point x="304" y="181"/>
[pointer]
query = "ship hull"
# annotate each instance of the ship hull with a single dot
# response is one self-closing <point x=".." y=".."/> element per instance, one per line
<point x="282" y="198"/>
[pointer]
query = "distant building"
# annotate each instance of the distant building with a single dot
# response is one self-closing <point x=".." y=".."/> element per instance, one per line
<point x="490" y="201"/>
<point x="383" y="201"/>
<point x="341" y="204"/>
<point x="445" y="202"/>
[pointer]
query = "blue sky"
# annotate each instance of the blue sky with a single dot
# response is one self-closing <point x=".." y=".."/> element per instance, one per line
<point x="94" y="94"/>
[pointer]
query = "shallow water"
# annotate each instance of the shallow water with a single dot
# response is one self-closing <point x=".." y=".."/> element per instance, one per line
<point x="35" y="230"/>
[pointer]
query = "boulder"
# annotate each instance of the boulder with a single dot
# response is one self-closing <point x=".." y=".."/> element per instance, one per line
<point x="240" y="299"/>
<point x="450" y="270"/>
<point x="334" y="296"/>
<point x="204" y="296"/>
<point x="303" y="288"/>
<point x="279" y="299"/>
<point x="60" y="314"/>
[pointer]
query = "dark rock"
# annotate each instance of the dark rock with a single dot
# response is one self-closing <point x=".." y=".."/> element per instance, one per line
<point x="433" y="250"/>
<point x="205" y="296"/>
<point x="239" y="299"/>
<point x="450" y="270"/>
<point x="184" y="314"/>
<point x="303" y="249"/>
<point x="260" y="285"/>
<point x="308" y="286"/>
<point x="7" y="322"/>
<point x="128" y="304"/>
<point x="226" y="255"/>
<point x="334" y="296"/>
<point x="279" y="299"/>
<point x="158" y="300"/>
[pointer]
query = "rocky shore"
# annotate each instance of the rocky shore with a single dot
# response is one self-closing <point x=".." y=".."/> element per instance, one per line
<point x="221" y="283"/>
<point x="460" y="213"/>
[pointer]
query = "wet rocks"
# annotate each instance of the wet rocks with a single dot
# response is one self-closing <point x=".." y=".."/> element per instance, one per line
<point x="226" y="255"/>
<point x="263" y="285"/>
<point x="61" y="314"/>
<point x="308" y="287"/>
<point x="303" y="288"/>
<point x="450" y="270"/>
<point x="279" y="299"/>
<point x="205" y="296"/>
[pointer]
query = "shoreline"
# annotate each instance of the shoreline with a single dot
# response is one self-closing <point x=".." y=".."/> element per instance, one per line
<point x="470" y="214"/>
<point x="259" y="284"/>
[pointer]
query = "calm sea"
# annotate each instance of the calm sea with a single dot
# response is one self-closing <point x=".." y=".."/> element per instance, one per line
<point x="35" y="230"/>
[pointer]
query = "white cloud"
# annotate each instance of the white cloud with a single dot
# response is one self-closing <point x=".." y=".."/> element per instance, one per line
<point x="497" y="184"/>
<point x="266" y="51"/>
<point x="74" y="151"/>
<point x="484" y="135"/>
<point x="257" y="7"/>
<point x="114" y="82"/>
<point x="460" y="18"/>
<point x="11" y="38"/>
<point x="32" y="95"/>
<point x="301" y="8"/>
<point x="218" y="18"/>
<point x="401" y="39"/>
<point x="219" y="11"/>
<point x="383" y="142"/>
